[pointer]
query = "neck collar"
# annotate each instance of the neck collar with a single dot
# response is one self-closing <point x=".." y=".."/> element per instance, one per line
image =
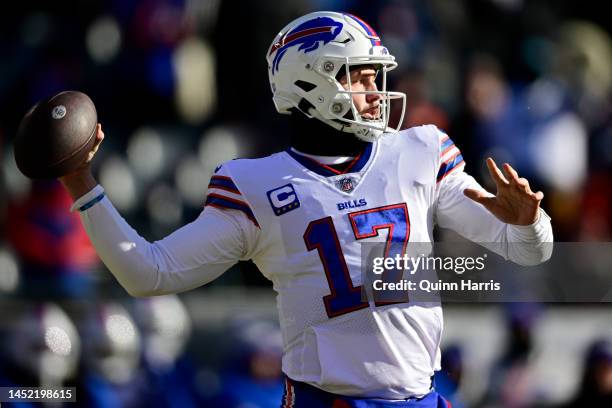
<point x="353" y="166"/>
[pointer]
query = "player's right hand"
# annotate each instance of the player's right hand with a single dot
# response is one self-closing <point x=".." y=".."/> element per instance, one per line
<point x="81" y="181"/>
<point x="94" y="149"/>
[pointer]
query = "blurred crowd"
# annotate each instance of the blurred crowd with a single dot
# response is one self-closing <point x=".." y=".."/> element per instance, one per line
<point x="138" y="353"/>
<point x="181" y="85"/>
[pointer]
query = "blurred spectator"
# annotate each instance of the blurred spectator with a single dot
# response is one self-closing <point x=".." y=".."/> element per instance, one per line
<point x="252" y="375"/>
<point x="596" y="209"/>
<point x="501" y="124"/>
<point x="3" y="192"/>
<point x="55" y="253"/>
<point x="596" y="204"/>
<point x="169" y="369"/>
<point x="420" y="110"/>
<point x="9" y="271"/>
<point x="109" y="374"/>
<point x="596" y="384"/>
<point x="510" y="383"/>
<point x="42" y="349"/>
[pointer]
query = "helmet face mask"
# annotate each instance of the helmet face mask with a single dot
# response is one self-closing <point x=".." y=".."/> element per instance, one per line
<point x="307" y="57"/>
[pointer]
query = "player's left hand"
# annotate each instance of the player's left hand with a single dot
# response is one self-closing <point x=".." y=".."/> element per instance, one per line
<point x="514" y="202"/>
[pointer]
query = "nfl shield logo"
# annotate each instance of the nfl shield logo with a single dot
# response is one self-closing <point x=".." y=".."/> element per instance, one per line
<point x="346" y="184"/>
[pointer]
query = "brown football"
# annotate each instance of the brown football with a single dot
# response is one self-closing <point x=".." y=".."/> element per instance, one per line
<point x="56" y="135"/>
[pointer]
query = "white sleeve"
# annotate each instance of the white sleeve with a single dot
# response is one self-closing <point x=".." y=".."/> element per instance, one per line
<point x="193" y="255"/>
<point x="524" y="245"/>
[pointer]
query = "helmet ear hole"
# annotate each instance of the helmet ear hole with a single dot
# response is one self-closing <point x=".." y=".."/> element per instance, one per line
<point x="341" y="73"/>
<point x="304" y="106"/>
<point x="305" y="86"/>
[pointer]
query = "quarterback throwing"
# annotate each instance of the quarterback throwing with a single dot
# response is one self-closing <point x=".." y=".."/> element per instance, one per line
<point x="302" y="214"/>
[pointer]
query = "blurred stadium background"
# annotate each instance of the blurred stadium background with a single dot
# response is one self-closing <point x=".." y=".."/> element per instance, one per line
<point x="181" y="85"/>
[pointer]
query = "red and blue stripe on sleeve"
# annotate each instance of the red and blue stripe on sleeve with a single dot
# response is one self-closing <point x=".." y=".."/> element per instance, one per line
<point x="223" y="194"/>
<point x="451" y="159"/>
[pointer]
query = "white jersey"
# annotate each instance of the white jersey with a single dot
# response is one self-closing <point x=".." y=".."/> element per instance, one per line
<point x="302" y="223"/>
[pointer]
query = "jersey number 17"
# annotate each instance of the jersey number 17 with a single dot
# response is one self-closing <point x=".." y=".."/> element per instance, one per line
<point x="321" y="235"/>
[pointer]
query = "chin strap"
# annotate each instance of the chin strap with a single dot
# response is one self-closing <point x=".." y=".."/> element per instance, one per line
<point x="362" y="133"/>
<point x="342" y="127"/>
<point x="365" y="134"/>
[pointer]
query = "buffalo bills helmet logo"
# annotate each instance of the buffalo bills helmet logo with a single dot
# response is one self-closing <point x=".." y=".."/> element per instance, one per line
<point x="307" y="35"/>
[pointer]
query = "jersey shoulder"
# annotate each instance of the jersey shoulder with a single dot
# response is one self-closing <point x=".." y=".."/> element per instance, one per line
<point x="424" y="137"/>
<point x="237" y="167"/>
<point x="426" y="142"/>
<point x="232" y="184"/>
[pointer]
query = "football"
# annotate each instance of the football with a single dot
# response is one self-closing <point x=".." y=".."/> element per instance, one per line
<point x="56" y="135"/>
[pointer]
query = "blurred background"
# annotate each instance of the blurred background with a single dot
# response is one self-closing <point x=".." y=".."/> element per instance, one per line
<point x="181" y="85"/>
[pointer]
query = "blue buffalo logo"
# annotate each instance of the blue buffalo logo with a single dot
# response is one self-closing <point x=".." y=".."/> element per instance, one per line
<point x="308" y="36"/>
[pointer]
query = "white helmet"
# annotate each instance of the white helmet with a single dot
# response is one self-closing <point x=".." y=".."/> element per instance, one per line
<point x="304" y="61"/>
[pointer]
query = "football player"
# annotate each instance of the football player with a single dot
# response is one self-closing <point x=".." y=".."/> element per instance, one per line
<point x="302" y="214"/>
